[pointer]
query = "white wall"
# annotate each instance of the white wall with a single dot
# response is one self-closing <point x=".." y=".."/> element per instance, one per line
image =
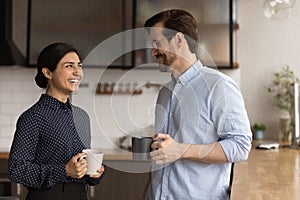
<point x="17" y="93"/>
<point x="264" y="47"/>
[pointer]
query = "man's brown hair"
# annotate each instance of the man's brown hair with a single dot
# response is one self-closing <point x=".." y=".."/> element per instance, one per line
<point x="180" y="21"/>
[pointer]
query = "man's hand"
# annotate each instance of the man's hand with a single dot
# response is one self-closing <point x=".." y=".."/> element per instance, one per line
<point x="167" y="149"/>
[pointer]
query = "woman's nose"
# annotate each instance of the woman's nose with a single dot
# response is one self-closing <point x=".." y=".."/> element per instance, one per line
<point x="77" y="70"/>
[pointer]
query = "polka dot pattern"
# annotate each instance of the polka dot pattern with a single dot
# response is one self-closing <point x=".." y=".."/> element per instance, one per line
<point x="47" y="136"/>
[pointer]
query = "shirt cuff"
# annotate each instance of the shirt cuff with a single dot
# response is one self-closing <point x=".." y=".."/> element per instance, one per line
<point x="235" y="151"/>
<point x="59" y="173"/>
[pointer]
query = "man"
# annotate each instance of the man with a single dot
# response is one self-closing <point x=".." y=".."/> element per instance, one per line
<point x="201" y="121"/>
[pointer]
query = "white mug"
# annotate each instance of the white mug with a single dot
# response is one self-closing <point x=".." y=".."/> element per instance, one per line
<point x="94" y="160"/>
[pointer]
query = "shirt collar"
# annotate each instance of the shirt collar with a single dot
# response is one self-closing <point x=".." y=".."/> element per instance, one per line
<point x="54" y="103"/>
<point x="189" y="74"/>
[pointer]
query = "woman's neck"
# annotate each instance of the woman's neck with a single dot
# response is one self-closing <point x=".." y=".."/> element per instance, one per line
<point x="59" y="96"/>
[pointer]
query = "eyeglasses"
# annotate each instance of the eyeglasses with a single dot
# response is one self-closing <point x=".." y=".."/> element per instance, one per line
<point x="157" y="43"/>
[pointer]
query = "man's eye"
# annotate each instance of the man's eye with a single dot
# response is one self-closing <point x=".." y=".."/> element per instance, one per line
<point x="155" y="44"/>
<point x="69" y="66"/>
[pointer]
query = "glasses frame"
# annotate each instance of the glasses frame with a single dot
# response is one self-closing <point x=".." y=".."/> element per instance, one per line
<point x="156" y="44"/>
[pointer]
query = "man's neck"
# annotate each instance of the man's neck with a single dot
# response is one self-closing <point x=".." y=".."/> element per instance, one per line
<point x="183" y="64"/>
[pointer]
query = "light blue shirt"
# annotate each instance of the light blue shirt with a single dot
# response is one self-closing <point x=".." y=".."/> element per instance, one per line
<point x="203" y="106"/>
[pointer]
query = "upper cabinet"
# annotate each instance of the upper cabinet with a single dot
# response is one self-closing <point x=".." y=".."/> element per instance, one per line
<point x="217" y="24"/>
<point x="103" y="31"/>
<point x="84" y="24"/>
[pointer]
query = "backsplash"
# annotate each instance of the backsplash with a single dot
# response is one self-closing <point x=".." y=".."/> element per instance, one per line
<point x="112" y="115"/>
<point x="120" y="113"/>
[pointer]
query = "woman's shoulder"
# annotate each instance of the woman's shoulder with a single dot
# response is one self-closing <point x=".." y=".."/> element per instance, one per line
<point x="79" y="111"/>
<point x="30" y="114"/>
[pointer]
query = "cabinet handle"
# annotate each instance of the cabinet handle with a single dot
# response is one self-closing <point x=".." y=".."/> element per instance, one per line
<point x="92" y="191"/>
<point x="18" y="189"/>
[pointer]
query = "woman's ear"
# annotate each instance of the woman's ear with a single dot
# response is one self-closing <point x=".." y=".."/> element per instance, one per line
<point x="47" y="73"/>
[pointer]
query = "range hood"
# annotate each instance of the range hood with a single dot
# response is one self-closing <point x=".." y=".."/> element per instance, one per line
<point x="9" y="52"/>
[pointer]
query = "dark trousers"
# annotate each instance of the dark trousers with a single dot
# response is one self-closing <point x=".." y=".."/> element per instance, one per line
<point x="62" y="191"/>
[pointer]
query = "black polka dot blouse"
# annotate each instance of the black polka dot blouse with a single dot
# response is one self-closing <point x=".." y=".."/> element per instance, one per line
<point x="47" y="136"/>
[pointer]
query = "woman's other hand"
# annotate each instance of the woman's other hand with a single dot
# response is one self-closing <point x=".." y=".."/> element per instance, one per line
<point x="100" y="171"/>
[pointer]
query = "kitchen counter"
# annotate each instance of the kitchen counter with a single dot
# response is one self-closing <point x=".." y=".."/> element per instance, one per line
<point x="123" y="174"/>
<point x="116" y="154"/>
<point x="4" y="155"/>
<point x="268" y="174"/>
<point x="109" y="154"/>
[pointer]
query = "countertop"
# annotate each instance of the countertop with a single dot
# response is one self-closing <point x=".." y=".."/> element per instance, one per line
<point x="109" y="154"/>
<point x="268" y="174"/>
<point x="118" y="159"/>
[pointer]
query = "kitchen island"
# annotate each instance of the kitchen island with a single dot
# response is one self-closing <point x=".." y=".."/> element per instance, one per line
<point x="268" y="174"/>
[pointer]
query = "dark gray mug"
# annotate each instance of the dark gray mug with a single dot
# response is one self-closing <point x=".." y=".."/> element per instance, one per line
<point x="141" y="147"/>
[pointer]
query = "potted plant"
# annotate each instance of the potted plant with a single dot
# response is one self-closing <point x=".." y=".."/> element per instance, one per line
<point x="281" y="89"/>
<point x="259" y="131"/>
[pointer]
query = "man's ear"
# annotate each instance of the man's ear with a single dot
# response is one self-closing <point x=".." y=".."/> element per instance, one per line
<point x="179" y="38"/>
<point x="47" y="73"/>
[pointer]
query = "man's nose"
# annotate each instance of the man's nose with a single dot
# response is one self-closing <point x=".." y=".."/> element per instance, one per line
<point x="153" y="52"/>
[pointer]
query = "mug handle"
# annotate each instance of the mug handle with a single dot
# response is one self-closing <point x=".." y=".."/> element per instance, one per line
<point x="81" y="158"/>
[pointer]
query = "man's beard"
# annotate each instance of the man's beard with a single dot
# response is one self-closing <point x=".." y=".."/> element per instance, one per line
<point x="167" y="61"/>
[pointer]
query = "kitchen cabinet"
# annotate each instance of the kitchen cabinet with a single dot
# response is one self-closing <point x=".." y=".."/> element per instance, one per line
<point x="86" y="24"/>
<point x="4" y="182"/>
<point x="6" y="187"/>
<point x="120" y="185"/>
<point x="121" y="180"/>
<point x="115" y="185"/>
<point x="18" y="190"/>
<point x="217" y="25"/>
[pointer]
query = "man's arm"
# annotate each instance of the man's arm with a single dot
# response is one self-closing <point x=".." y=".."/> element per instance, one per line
<point x="168" y="150"/>
<point x="207" y="153"/>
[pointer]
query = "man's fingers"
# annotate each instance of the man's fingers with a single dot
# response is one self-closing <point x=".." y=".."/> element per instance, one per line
<point x="161" y="136"/>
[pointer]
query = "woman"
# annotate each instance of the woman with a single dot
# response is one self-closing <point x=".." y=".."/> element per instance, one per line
<point x="51" y="135"/>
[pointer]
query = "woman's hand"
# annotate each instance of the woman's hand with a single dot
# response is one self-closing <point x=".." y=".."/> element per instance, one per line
<point x="76" y="167"/>
<point x="100" y="171"/>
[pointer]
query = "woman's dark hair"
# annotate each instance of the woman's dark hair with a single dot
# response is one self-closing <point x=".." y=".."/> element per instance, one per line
<point x="49" y="58"/>
<point x="180" y="21"/>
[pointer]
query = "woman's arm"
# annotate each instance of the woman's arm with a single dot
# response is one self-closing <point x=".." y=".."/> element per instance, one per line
<point x="22" y="168"/>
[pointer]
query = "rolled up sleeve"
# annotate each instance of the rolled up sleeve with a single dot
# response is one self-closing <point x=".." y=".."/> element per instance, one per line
<point x="234" y="130"/>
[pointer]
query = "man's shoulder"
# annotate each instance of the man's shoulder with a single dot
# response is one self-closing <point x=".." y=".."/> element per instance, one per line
<point x="214" y="75"/>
